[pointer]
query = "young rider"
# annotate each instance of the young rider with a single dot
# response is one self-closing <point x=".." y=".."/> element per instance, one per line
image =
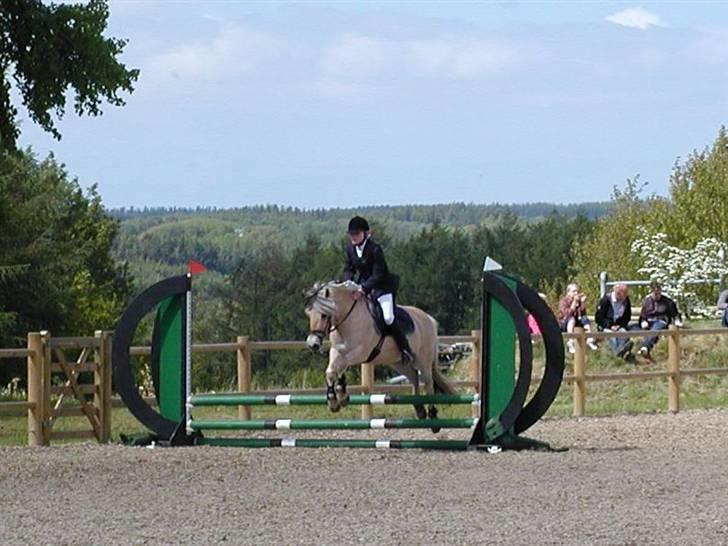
<point x="365" y="265"/>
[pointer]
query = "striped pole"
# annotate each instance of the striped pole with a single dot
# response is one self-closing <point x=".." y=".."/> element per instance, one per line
<point x="458" y="445"/>
<point x="329" y="424"/>
<point x="235" y="399"/>
<point x="188" y="353"/>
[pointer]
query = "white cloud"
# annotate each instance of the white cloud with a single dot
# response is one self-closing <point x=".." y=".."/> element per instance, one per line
<point x="459" y="58"/>
<point x="635" y="18"/>
<point x="358" y="57"/>
<point x="236" y="52"/>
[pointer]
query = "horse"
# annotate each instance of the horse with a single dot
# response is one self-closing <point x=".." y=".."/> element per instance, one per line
<point x="332" y="309"/>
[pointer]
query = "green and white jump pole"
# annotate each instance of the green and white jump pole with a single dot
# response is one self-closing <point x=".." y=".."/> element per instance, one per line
<point x="503" y="414"/>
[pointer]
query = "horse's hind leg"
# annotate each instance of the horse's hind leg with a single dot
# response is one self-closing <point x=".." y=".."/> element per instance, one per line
<point x="410" y="372"/>
<point x="429" y="385"/>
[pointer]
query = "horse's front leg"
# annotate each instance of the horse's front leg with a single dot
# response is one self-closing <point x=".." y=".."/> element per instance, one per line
<point x="336" y="395"/>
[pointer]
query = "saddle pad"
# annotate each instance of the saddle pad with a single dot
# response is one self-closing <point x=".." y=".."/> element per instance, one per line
<point x="401" y="317"/>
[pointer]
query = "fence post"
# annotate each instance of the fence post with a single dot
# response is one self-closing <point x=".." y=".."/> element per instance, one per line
<point x="475" y="371"/>
<point x="673" y="367"/>
<point x="102" y="384"/>
<point x="602" y="284"/>
<point x="579" y="372"/>
<point x="367" y="385"/>
<point x="45" y="378"/>
<point x="35" y="390"/>
<point x="244" y="374"/>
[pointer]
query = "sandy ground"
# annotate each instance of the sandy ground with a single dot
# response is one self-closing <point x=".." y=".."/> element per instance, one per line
<point x="637" y="480"/>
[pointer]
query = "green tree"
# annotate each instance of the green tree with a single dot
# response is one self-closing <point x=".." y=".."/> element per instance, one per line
<point x="56" y="268"/>
<point x="608" y="248"/>
<point x="437" y="276"/>
<point x="548" y="246"/>
<point x="48" y="49"/>
<point x="698" y="197"/>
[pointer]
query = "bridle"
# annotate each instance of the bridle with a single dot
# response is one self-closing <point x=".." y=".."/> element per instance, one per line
<point x="329" y="328"/>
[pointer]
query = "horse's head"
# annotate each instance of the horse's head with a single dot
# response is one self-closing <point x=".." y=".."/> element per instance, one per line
<point x="323" y="304"/>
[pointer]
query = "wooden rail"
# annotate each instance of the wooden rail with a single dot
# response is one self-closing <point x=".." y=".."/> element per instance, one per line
<point x="41" y="364"/>
<point x="673" y="372"/>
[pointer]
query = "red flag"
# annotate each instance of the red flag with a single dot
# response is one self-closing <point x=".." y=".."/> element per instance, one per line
<point x="193" y="267"/>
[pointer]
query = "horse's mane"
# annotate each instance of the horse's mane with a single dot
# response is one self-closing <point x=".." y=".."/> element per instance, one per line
<point x="314" y="297"/>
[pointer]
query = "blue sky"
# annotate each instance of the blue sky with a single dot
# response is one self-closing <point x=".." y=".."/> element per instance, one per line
<point x="339" y="104"/>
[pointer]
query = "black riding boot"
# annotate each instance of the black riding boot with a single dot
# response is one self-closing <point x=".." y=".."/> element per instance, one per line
<point x="399" y="336"/>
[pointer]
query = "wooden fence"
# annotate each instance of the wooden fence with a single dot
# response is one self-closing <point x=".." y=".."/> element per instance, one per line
<point x="673" y="372"/>
<point x="56" y="368"/>
<point x="42" y="349"/>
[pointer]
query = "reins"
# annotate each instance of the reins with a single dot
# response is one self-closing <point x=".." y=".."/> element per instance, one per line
<point x="332" y="328"/>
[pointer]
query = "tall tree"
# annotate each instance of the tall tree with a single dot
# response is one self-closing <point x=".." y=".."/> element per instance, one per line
<point x="437" y="276"/>
<point x="548" y="246"/>
<point x="56" y="268"/>
<point x="699" y="197"/>
<point x="49" y="49"/>
<point x="608" y="248"/>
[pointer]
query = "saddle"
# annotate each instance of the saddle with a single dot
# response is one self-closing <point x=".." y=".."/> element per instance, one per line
<point x="401" y="318"/>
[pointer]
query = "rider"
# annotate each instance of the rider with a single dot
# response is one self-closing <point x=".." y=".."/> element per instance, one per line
<point x="366" y="266"/>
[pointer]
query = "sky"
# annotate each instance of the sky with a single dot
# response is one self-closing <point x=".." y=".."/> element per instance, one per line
<point x="323" y="104"/>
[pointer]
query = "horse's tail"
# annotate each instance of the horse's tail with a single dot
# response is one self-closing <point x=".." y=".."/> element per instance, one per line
<point x="442" y="385"/>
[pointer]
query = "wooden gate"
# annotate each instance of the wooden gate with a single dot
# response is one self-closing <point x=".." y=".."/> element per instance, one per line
<point x="74" y="374"/>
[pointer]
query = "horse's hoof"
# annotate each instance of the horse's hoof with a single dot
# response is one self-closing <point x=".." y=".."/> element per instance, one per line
<point x="421" y="413"/>
<point x="432" y="413"/>
<point x="435" y="430"/>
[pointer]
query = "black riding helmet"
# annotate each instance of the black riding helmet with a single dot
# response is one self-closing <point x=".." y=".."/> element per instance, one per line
<point x="358" y="224"/>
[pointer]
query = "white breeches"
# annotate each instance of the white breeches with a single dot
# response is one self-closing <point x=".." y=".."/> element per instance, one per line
<point x="387" y="303"/>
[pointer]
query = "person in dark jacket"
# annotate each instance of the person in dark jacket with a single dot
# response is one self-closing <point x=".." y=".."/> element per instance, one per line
<point x="613" y="314"/>
<point x="722" y="305"/>
<point x="365" y="265"/>
<point x="658" y="311"/>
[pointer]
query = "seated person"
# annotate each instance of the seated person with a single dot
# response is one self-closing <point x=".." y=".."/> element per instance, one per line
<point x="658" y="311"/>
<point x="722" y="305"/>
<point x="613" y="313"/>
<point x="572" y="313"/>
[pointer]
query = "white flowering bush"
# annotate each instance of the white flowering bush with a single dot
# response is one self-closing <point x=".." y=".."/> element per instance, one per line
<point x="679" y="270"/>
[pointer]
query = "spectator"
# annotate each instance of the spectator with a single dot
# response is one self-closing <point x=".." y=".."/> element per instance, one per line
<point x="572" y="313"/>
<point x="613" y="314"/>
<point x="722" y="305"/>
<point x="658" y="311"/>
<point x="533" y="327"/>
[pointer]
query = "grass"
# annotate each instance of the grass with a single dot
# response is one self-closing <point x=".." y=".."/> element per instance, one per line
<point x="603" y="397"/>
